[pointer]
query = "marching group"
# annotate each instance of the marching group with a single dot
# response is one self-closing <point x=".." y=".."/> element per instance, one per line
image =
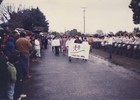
<point x="125" y="45"/>
<point x="61" y="44"/>
<point x="16" y="51"/>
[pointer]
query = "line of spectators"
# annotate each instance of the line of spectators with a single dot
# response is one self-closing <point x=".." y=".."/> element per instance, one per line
<point x="16" y="52"/>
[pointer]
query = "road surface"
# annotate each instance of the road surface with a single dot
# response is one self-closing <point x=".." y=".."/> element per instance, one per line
<point x="55" y="78"/>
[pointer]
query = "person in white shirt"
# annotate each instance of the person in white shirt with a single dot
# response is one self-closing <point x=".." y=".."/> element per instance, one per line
<point x="52" y="44"/>
<point x="57" y="46"/>
<point x="85" y="41"/>
<point x="68" y="42"/>
<point x="37" y="47"/>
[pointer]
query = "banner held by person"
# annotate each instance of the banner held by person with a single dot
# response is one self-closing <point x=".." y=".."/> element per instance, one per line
<point x="77" y="50"/>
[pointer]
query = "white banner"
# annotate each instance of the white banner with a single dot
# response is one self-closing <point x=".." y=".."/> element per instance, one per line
<point x="76" y="50"/>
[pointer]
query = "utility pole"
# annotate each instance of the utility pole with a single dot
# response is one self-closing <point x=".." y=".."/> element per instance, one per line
<point x="84" y="10"/>
<point x="64" y="30"/>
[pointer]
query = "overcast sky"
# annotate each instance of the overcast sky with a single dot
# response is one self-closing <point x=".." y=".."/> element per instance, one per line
<point x="106" y="15"/>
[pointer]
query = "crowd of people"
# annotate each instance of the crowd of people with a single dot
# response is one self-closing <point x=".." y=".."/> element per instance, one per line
<point x="125" y="45"/>
<point x="17" y="50"/>
<point x="60" y="44"/>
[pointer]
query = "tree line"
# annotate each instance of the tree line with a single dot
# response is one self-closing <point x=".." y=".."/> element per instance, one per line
<point x="135" y="7"/>
<point x="22" y="17"/>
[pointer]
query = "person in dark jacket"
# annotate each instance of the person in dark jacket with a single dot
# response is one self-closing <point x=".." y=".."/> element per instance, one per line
<point x="4" y="75"/>
<point x="45" y="42"/>
<point x="15" y="59"/>
<point x="77" y="40"/>
<point x="10" y="47"/>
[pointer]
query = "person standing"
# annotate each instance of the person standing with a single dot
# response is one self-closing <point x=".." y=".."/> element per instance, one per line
<point x="45" y="42"/>
<point x="77" y="40"/>
<point x="18" y="90"/>
<point x="68" y="42"/>
<point x="63" y="45"/>
<point x="90" y="41"/>
<point x="57" y="46"/>
<point x="109" y="46"/>
<point x="10" y="47"/>
<point x="37" y="47"/>
<point x="24" y="45"/>
<point x="4" y="75"/>
<point x="53" y="44"/>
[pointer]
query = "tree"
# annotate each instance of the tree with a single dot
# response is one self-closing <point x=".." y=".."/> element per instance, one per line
<point x="120" y="33"/>
<point x="38" y="18"/>
<point x="100" y="32"/>
<point x="135" y="6"/>
<point x="23" y="18"/>
<point x="136" y="29"/>
<point x="55" y="33"/>
<point x="74" y="32"/>
<point x="6" y="12"/>
<point x="1" y="1"/>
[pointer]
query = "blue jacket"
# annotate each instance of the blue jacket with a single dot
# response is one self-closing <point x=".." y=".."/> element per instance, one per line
<point x="10" y="47"/>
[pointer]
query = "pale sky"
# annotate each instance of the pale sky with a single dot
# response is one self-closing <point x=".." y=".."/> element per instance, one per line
<point x="106" y="15"/>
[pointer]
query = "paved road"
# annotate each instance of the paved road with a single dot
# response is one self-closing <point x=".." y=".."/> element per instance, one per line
<point x="55" y="78"/>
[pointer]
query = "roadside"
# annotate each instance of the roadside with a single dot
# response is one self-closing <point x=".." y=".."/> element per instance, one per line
<point x="126" y="62"/>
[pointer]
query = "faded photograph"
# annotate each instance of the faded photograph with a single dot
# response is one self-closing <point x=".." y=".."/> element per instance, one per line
<point x="69" y="49"/>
